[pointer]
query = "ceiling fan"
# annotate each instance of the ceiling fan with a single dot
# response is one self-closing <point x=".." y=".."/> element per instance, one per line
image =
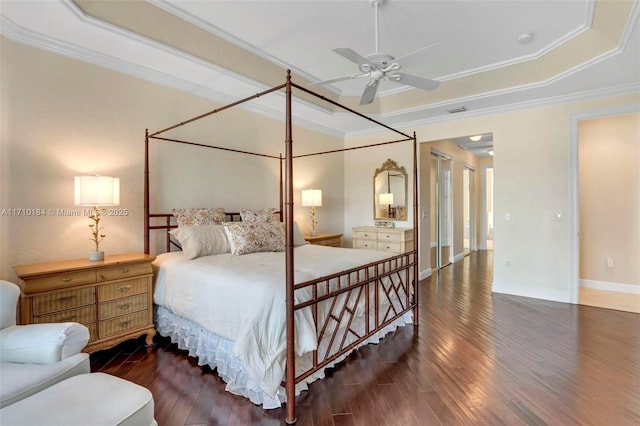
<point x="378" y="66"/>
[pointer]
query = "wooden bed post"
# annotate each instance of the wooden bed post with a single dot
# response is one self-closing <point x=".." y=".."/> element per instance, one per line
<point x="416" y="232"/>
<point x="290" y="386"/>
<point x="146" y="191"/>
<point x="281" y="194"/>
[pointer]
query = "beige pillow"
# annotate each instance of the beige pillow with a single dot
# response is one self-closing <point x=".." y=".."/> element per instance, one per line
<point x="202" y="240"/>
<point x="199" y="216"/>
<point x="260" y="215"/>
<point x="254" y="237"/>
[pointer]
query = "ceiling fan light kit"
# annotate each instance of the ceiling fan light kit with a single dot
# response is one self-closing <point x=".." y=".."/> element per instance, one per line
<point x="379" y="66"/>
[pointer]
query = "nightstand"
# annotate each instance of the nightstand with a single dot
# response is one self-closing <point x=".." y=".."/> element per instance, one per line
<point x="332" y="240"/>
<point x="112" y="297"/>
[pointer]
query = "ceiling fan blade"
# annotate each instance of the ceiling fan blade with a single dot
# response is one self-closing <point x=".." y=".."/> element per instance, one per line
<point x="334" y="80"/>
<point x="413" y="58"/>
<point x="351" y="55"/>
<point x="369" y="92"/>
<point x="419" y="82"/>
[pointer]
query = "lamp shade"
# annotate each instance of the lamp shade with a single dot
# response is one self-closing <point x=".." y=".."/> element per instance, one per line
<point x="386" y="198"/>
<point x="312" y="197"/>
<point x="96" y="191"/>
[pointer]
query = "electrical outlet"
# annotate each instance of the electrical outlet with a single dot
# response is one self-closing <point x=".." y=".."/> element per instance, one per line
<point x="507" y="264"/>
<point x="507" y="216"/>
<point x="610" y="262"/>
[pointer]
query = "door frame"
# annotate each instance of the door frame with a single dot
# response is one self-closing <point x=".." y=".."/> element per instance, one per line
<point x="574" y="190"/>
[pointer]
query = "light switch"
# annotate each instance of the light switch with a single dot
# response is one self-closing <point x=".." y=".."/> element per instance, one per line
<point x="507" y="216"/>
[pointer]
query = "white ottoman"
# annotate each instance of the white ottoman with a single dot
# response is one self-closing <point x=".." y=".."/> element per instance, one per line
<point x="95" y="399"/>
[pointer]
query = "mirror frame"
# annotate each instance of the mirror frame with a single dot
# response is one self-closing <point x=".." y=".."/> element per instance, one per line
<point x="391" y="166"/>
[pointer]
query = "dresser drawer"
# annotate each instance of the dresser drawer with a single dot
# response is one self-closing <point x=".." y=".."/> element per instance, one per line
<point x="84" y="315"/>
<point x="389" y="236"/>
<point x="124" y="271"/>
<point x="52" y="302"/>
<point x="390" y="247"/>
<point x="52" y="282"/>
<point x="365" y="244"/>
<point x="121" y="324"/>
<point x="365" y="235"/>
<point x="122" y="289"/>
<point x="123" y="306"/>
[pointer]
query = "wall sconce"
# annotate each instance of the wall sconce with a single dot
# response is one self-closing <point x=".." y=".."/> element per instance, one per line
<point x="96" y="191"/>
<point x="386" y="199"/>
<point x="312" y="198"/>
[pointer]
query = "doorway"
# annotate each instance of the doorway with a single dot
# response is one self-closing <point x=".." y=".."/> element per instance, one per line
<point x="468" y="232"/>
<point x="441" y="209"/>
<point x="488" y="208"/>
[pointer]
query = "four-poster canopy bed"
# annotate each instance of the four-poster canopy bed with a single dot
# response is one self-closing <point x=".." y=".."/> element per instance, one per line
<point x="331" y="302"/>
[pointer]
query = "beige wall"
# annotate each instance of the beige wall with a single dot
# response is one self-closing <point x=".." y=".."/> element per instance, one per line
<point x="61" y="117"/>
<point x="532" y="184"/>
<point x="609" y="164"/>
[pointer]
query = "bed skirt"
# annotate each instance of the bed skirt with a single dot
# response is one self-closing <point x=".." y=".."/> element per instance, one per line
<point x="217" y="352"/>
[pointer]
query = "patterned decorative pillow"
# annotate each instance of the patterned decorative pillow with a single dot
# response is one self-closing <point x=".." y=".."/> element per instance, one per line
<point x="261" y="215"/>
<point x="203" y="216"/>
<point x="202" y="240"/>
<point x="254" y="237"/>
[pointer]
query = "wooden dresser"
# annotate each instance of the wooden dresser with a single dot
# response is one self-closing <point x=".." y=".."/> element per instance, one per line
<point x="112" y="297"/>
<point x="394" y="240"/>
<point x="332" y="240"/>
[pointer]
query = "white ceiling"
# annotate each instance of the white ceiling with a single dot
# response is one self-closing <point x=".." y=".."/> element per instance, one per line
<point x="474" y="39"/>
<point x="471" y="36"/>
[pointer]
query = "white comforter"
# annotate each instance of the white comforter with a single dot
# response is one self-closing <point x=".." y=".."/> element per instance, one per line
<point x="242" y="298"/>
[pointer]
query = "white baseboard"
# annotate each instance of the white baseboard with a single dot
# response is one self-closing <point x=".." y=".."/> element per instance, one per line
<point x="535" y="293"/>
<point x="458" y="256"/>
<point x="425" y="274"/>
<point x="610" y="286"/>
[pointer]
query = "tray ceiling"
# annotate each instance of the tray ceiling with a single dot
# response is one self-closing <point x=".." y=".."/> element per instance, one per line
<point x="225" y="50"/>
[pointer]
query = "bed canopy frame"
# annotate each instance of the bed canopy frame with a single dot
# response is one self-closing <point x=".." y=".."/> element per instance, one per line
<point x="403" y="266"/>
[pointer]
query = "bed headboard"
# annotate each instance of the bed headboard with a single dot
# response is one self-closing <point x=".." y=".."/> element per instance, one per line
<point x="168" y="222"/>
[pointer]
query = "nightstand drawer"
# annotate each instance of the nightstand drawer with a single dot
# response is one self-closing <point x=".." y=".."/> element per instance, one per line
<point x="84" y="315"/>
<point x="124" y="271"/>
<point x="126" y="322"/>
<point x="122" y="289"/>
<point x="123" y="306"/>
<point x="52" y="302"/>
<point x="365" y="235"/>
<point x="366" y="244"/>
<point x="53" y="282"/>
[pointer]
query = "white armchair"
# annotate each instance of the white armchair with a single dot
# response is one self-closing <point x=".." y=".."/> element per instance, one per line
<point x="34" y="357"/>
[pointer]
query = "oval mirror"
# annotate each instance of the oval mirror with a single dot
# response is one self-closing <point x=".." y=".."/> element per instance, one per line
<point x="390" y="192"/>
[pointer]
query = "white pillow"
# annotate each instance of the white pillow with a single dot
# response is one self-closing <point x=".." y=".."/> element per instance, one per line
<point x="253" y="237"/>
<point x="298" y="239"/>
<point x="202" y="240"/>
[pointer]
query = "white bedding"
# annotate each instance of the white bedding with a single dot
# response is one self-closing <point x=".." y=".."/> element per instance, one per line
<point x="242" y="299"/>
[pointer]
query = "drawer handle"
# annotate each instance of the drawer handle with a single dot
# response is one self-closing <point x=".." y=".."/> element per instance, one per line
<point x="388" y="247"/>
<point x="67" y="280"/>
<point x="124" y="288"/>
<point x="124" y="323"/>
<point x="67" y="319"/>
<point x="388" y="236"/>
<point x="366" y="235"/>
<point x="124" y="271"/>
<point x="124" y="306"/>
<point x="66" y="299"/>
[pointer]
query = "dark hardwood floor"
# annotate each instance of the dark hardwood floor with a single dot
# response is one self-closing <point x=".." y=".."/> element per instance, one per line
<point x="477" y="358"/>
